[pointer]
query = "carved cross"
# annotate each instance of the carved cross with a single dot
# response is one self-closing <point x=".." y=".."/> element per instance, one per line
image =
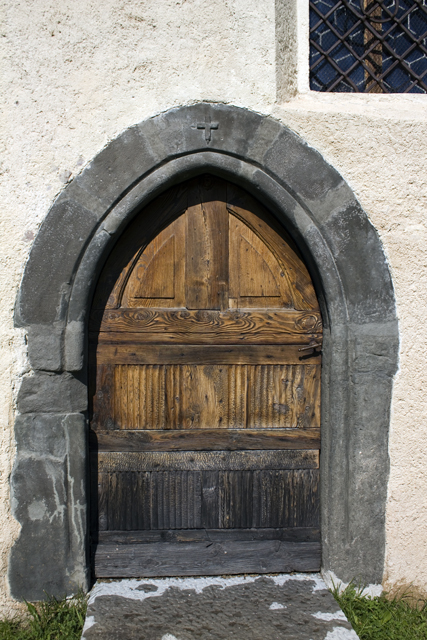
<point x="208" y="126"/>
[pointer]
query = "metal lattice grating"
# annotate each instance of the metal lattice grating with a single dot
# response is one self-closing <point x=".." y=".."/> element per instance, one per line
<point x="373" y="46"/>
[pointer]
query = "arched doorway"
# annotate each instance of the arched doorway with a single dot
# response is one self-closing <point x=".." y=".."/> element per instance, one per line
<point x="205" y="338"/>
<point x="360" y="331"/>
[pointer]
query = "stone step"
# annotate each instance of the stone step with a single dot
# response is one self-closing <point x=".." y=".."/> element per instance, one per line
<point x="245" y="607"/>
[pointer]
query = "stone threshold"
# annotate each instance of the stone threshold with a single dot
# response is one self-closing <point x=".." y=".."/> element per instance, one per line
<point x="244" y="607"/>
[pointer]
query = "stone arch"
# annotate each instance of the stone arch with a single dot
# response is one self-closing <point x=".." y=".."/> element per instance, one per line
<point x="353" y="283"/>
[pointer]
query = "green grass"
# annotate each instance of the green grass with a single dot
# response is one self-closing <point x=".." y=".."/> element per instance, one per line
<point x="49" y="620"/>
<point x="381" y="618"/>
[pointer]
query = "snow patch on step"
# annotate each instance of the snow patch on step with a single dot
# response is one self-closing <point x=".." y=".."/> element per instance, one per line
<point x="340" y="633"/>
<point x="89" y="622"/>
<point x="327" y="617"/>
<point x="135" y="589"/>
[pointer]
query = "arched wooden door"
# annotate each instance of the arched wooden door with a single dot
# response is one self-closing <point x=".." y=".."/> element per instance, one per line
<point x="205" y="425"/>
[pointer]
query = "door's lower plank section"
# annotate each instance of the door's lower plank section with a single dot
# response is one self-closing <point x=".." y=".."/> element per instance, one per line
<point x="294" y="534"/>
<point x="166" y="500"/>
<point x="114" y="462"/>
<point x="205" y="558"/>
<point x="205" y="439"/>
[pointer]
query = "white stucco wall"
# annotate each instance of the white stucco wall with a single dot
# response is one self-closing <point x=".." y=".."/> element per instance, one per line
<point x="76" y="74"/>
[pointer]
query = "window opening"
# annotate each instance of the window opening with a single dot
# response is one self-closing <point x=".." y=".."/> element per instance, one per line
<point x="370" y="46"/>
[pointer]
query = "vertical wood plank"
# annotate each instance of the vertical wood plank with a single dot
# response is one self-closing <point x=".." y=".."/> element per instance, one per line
<point x="204" y="396"/>
<point x="172" y="374"/>
<point x="307" y="503"/>
<point x="103" y="417"/>
<point x="195" y="499"/>
<point x="210" y="500"/>
<point x="206" y="280"/>
<point x="236" y="499"/>
<point x="103" y="499"/>
<point x="237" y="396"/>
<point x="114" y="511"/>
<point x="143" y="507"/>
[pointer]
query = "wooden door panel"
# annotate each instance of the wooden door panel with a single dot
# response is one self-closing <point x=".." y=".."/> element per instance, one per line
<point x="205" y="413"/>
<point x="283" y="396"/>
<point x="256" y="277"/>
<point x="102" y="409"/>
<point x="242" y="206"/>
<point x="210" y="397"/>
<point x="206" y="278"/>
<point x="157" y="278"/>
<point x="228" y="499"/>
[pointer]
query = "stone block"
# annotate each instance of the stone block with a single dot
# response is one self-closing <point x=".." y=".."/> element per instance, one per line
<point x="53" y="260"/>
<point x="45" y="347"/>
<point x="353" y="241"/>
<point x="118" y="166"/>
<point x="185" y="130"/>
<point x="301" y="167"/>
<point x="74" y="346"/>
<point x="49" y="392"/>
<point x="48" y="490"/>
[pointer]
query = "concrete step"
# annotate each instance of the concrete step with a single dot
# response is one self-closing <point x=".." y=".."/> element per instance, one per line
<point x="247" y="607"/>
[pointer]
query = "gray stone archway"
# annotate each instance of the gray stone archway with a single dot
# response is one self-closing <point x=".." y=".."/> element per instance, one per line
<point x="353" y="282"/>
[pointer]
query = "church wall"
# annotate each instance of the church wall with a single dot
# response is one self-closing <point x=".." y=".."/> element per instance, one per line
<point x="77" y="74"/>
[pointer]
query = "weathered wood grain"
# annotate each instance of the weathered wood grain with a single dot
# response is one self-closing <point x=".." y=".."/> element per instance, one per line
<point x="256" y="277"/>
<point x="205" y="426"/>
<point x="140" y="353"/>
<point x="157" y="278"/>
<point x="122" y="260"/>
<point x="206" y="439"/>
<point x="102" y="401"/>
<point x="283" y="396"/>
<point x="218" y="326"/>
<point x="109" y="462"/>
<point x="206" y="261"/>
<point x="292" y="534"/>
<point x="186" y="559"/>
<point x="215" y="397"/>
<point x="224" y="499"/>
<point x="243" y="206"/>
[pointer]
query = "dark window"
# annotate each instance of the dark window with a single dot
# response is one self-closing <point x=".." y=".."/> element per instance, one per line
<point x="368" y="46"/>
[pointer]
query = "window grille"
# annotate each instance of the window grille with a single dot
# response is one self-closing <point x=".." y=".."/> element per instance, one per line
<point x="373" y="46"/>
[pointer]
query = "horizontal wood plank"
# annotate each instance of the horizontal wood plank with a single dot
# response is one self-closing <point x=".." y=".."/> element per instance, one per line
<point x="138" y="353"/>
<point x="206" y="460"/>
<point x="293" y="534"/>
<point x="205" y="439"/>
<point x="205" y="558"/>
<point x="219" y="327"/>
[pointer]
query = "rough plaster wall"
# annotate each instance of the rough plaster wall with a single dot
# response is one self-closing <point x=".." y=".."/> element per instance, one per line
<point x="76" y="74"/>
<point x="379" y="144"/>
